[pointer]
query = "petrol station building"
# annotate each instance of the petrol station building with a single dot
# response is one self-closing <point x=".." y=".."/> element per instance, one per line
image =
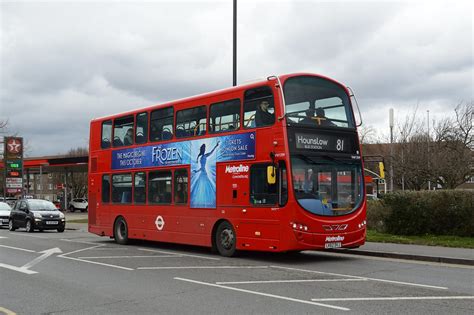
<point x="48" y="177"/>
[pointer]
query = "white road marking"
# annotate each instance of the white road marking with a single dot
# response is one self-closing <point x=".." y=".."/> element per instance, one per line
<point x="6" y="311"/>
<point x="25" y="268"/>
<point x="80" y="242"/>
<point x="264" y="294"/>
<point x="95" y="262"/>
<point x="46" y="254"/>
<point x="405" y="261"/>
<point x="400" y="298"/>
<point x="154" y="256"/>
<point x="3" y="237"/>
<point x="204" y="267"/>
<point x="80" y="250"/>
<point x="358" y="277"/>
<point x="18" y="248"/>
<point x="110" y="248"/>
<point x="290" y="281"/>
<point x="28" y="235"/>
<point x="171" y="253"/>
<point x="19" y="269"/>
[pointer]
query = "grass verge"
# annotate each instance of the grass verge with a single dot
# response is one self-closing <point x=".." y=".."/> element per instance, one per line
<point x="430" y="240"/>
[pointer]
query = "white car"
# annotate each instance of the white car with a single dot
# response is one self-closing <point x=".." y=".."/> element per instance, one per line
<point x="4" y="213"/>
<point x="78" y="204"/>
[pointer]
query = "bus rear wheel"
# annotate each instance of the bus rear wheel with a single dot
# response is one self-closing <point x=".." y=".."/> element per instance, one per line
<point x="121" y="231"/>
<point x="225" y="239"/>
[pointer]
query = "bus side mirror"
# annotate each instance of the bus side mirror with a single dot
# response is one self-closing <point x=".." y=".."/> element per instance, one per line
<point x="271" y="175"/>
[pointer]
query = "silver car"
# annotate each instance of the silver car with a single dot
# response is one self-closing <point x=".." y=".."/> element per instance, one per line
<point x="78" y="204"/>
<point x="4" y="213"/>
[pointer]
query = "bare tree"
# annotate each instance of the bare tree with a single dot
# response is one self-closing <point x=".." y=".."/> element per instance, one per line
<point x="3" y="132"/>
<point x="411" y="153"/>
<point x="78" y="180"/>
<point x="453" y="158"/>
<point x="367" y="134"/>
<point x="444" y="158"/>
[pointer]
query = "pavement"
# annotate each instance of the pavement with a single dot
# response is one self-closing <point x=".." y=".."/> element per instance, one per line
<point x="447" y="255"/>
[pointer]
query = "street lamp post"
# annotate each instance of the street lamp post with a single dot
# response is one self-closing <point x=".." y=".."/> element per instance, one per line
<point x="428" y="140"/>
<point x="235" y="45"/>
<point x="390" y="116"/>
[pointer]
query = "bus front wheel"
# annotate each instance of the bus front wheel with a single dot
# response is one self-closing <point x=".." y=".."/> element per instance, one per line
<point x="225" y="239"/>
<point x="121" y="231"/>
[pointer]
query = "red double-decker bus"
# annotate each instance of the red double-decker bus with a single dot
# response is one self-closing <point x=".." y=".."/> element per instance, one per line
<point x="273" y="165"/>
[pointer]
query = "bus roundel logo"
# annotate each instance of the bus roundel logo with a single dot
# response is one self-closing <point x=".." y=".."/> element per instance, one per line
<point x="160" y="222"/>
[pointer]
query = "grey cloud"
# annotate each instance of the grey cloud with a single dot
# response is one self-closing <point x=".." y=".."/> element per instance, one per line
<point x="65" y="63"/>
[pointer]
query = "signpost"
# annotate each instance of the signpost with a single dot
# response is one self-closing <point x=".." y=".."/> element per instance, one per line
<point x="13" y="161"/>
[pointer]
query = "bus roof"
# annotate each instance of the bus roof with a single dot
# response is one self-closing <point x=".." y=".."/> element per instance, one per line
<point x="248" y="84"/>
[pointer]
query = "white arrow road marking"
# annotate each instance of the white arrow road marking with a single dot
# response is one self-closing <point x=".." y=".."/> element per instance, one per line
<point x="6" y="311"/>
<point x="25" y="268"/>
<point x="18" y="248"/>
<point x="46" y="254"/>
<point x="19" y="269"/>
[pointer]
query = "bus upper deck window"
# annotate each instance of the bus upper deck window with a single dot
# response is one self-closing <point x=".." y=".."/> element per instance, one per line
<point x="191" y="122"/>
<point x="106" y="134"/>
<point x="141" y="131"/>
<point x="259" y="108"/>
<point x="123" y="131"/>
<point x="162" y="124"/>
<point x="224" y="116"/>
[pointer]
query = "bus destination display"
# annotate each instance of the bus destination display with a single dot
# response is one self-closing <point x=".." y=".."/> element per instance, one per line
<point x="324" y="142"/>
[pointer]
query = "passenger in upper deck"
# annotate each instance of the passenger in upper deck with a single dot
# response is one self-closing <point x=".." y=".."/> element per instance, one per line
<point x="320" y="119"/>
<point x="128" y="139"/>
<point x="262" y="116"/>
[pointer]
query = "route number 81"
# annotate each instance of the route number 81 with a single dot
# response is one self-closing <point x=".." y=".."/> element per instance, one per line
<point x="340" y="145"/>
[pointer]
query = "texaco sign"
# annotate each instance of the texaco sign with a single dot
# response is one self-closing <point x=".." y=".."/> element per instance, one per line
<point x="14" y="147"/>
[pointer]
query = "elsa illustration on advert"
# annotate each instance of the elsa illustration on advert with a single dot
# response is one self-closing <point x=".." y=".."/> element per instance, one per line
<point x="203" y="185"/>
<point x="204" y="156"/>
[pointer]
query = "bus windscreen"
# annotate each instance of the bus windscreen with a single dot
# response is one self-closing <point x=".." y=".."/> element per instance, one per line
<point x="317" y="102"/>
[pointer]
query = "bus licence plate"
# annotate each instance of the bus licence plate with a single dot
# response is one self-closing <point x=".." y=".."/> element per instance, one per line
<point x="5" y="220"/>
<point x="51" y="222"/>
<point x="332" y="245"/>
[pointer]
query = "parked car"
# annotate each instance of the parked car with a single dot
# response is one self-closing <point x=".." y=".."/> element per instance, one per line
<point x="78" y="204"/>
<point x="36" y="214"/>
<point x="9" y="200"/>
<point x="4" y="213"/>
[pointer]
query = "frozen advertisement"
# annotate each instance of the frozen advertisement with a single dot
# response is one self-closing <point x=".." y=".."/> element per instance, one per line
<point x="157" y="155"/>
<point x="202" y="155"/>
<point x="237" y="147"/>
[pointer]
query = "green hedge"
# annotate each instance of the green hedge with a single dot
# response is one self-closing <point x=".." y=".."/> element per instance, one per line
<point x="442" y="212"/>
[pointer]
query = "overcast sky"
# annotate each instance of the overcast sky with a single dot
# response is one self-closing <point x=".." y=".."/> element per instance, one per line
<point x="63" y="63"/>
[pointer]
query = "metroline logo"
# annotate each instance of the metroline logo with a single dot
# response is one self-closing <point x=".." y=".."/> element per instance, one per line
<point x="236" y="169"/>
<point x="334" y="238"/>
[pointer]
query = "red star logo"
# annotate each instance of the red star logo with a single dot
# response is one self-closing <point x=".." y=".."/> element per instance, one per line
<point x="14" y="146"/>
